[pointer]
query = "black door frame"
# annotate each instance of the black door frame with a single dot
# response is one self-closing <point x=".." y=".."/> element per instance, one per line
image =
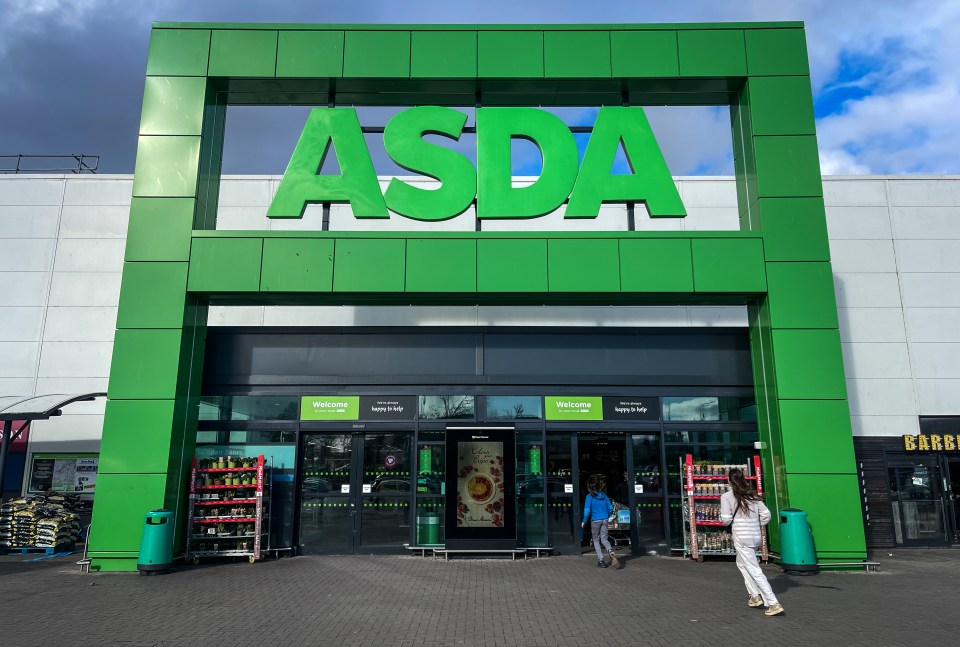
<point x="894" y="460"/>
<point x="356" y="496"/>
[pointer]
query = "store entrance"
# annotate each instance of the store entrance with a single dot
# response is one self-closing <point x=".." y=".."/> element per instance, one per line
<point x="953" y="497"/>
<point x="605" y="456"/>
<point x="355" y="491"/>
<point x="919" y="500"/>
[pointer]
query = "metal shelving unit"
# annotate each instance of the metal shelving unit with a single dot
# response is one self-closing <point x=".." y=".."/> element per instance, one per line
<point x="210" y="532"/>
<point x="703" y="485"/>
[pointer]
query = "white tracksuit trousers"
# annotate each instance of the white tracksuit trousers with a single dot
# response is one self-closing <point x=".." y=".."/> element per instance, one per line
<point x="753" y="576"/>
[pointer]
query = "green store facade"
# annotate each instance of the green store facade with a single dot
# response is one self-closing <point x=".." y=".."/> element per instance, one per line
<point x="361" y="422"/>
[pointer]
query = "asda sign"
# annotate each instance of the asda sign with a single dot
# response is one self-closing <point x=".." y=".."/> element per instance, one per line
<point x="584" y="185"/>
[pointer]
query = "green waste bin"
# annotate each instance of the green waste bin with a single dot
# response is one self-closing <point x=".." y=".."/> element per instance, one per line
<point x="797" y="554"/>
<point x="156" y="543"/>
<point x="428" y="528"/>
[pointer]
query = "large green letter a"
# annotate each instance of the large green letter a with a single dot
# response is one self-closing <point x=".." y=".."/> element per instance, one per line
<point x="357" y="182"/>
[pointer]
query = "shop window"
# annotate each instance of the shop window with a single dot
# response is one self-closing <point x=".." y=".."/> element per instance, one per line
<point x="281" y="457"/>
<point x="709" y="408"/>
<point x="446" y="407"/>
<point x="249" y="407"/>
<point x="510" y="407"/>
<point x="726" y="437"/>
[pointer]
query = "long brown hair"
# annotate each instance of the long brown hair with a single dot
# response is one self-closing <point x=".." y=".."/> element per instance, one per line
<point x="741" y="490"/>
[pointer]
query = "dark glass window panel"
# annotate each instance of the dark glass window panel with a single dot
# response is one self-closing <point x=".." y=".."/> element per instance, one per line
<point x="446" y="407"/>
<point x="249" y="407"/>
<point x="560" y="520"/>
<point x="326" y="463"/>
<point x="646" y="464"/>
<point x="649" y="523"/>
<point x="386" y="522"/>
<point x="509" y="407"/>
<point x="324" y="522"/>
<point x="431" y="466"/>
<point x="691" y="408"/>
<point x="530" y="518"/>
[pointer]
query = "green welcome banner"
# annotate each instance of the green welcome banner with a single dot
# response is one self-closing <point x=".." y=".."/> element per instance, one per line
<point x="573" y="407"/>
<point x="324" y="407"/>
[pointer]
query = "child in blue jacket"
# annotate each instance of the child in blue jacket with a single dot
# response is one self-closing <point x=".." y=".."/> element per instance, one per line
<point x="597" y="510"/>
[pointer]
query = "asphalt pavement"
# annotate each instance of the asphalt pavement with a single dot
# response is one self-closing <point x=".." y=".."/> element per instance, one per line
<point x="399" y="600"/>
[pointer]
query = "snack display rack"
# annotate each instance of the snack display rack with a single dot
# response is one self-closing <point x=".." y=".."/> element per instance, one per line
<point x="227" y="509"/>
<point x="703" y="484"/>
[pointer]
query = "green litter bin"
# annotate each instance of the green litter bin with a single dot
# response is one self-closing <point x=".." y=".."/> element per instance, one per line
<point x="797" y="554"/>
<point x="156" y="543"/>
<point x="428" y="529"/>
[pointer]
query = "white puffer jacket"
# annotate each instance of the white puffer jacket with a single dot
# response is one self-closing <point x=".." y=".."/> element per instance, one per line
<point x="746" y="525"/>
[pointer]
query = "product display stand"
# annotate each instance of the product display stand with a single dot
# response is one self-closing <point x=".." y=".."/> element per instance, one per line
<point x="228" y="509"/>
<point x="703" y="484"/>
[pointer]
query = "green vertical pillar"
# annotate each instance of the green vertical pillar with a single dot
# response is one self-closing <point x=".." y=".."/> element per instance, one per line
<point x="795" y="341"/>
<point x="150" y="420"/>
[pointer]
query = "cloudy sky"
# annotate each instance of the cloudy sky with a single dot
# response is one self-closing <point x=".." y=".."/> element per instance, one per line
<point x="886" y="74"/>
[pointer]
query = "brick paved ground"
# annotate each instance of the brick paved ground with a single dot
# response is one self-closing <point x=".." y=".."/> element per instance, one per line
<point x="402" y="600"/>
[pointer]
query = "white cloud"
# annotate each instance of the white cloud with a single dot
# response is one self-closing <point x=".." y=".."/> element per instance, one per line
<point x="906" y="123"/>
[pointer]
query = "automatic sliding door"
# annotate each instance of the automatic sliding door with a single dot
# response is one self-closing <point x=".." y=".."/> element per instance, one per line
<point x="386" y="490"/>
<point x="327" y="513"/>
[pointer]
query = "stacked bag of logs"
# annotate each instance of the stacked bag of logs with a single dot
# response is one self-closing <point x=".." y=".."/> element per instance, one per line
<point x="45" y="521"/>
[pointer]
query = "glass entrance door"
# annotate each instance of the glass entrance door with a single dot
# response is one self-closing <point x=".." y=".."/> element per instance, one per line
<point x="917" y="498"/>
<point x="953" y="496"/>
<point x="604" y="457"/>
<point x="355" y="491"/>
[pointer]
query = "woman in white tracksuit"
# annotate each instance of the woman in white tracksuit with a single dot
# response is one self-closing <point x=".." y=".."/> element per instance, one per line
<point x="744" y="508"/>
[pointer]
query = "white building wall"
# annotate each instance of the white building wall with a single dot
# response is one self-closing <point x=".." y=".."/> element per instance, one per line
<point x="895" y="243"/>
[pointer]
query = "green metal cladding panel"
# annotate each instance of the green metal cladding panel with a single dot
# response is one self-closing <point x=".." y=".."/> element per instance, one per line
<point x="832" y="504"/>
<point x="225" y="265"/>
<point x="243" y="53"/>
<point x="377" y="54"/>
<point x="794" y="229"/>
<point x="659" y="265"/>
<point x="788" y="166"/>
<point x="508" y="265"/>
<point x="145" y="365"/>
<point x="178" y="52"/>
<point x="712" y="52"/>
<point x="173" y="105"/>
<point x="817" y="437"/>
<point x="776" y="52"/>
<point x="122" y="502"/>
<point x="160" y="229"/>
<point x="576" y="54"/>
<point x="297" y="265"/>
<point x="510" y="54"/>
<point x="782" y="105"/>
<point x="801" y="295"/>
<point x="441" y="265"/>
<point x="728" y="265"/>
<point x="152" y="295"/>
<point x="310" y="54"/>
<point x="809" y="365"/>
<point x="369" y="265"/>
<point x="136" y="437"/>
<point x="443" y="54"/>
<point x="584" y="265"/>
<point x="166" y="167"/>
<point x="644" y="53"/>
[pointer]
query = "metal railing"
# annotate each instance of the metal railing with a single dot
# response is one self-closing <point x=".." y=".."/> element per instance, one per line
<point x="15" y="164"/>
